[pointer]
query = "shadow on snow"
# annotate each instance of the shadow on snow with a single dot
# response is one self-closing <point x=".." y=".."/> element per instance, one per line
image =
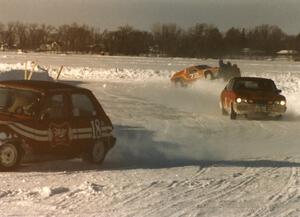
<point x="136" y="148"/>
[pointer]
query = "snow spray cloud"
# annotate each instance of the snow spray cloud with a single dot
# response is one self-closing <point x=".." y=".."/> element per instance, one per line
<point x="185" y="124"/>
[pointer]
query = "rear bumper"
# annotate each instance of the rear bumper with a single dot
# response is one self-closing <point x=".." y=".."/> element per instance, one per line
<point x="267" y="109"/>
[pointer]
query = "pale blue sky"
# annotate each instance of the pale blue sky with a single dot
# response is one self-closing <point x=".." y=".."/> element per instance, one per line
<point x="143" y="13"/>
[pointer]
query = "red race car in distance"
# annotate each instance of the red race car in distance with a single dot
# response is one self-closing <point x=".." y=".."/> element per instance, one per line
<point x="252" y="96"/>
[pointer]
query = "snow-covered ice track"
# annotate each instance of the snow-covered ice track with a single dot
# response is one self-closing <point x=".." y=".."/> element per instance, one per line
<point x="275" y="203"/>
<point x="198" y="196"/>
<point x="176" y="155"/>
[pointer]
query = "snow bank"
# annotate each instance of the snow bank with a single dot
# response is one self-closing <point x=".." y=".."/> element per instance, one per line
<point x="285" y="78"/>
<point x="16" y="71"/>
<point x="8" y="71"/>
<point x="115" y="74"/>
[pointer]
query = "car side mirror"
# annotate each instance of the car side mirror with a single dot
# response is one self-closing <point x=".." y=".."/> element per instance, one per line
<point x="278" y="91"/>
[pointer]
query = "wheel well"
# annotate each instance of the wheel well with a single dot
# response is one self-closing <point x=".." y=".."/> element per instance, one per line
<point x="207" y="73"/>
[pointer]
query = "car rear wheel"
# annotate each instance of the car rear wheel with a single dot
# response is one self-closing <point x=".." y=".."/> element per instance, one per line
<point x="233" y="114"/>
<point x="10" y="157"/>
<point x="96" y="154"/>
<point x="208" y="75"/>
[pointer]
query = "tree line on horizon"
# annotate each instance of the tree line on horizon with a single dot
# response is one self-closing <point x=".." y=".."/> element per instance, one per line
<point x="201" y="40"/>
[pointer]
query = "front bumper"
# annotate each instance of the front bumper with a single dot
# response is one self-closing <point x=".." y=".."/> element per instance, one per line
<point x="253" y="108"/>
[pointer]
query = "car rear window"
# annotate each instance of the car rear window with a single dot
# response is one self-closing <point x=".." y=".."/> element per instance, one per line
<point x="82" y="106"/>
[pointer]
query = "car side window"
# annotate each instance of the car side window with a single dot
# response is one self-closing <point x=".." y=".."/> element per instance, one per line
<point x="82" y="106"/>
<point x="202" y="67"/>
<point x="192" y="70"/>
<point x="54" y="107"/>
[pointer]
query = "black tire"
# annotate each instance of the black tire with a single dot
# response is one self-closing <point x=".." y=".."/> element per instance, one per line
<point x="224" y="112"/>
<point x="96" y="154"/>
<point x="10" y="156"/>
<point x="278" y="117"/>
<point x="209" y="75"/>
<point x="233" y="114"/>
<point x="179" y="83"/>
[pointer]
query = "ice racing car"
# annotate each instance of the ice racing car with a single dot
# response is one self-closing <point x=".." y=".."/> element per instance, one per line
<point x="194" y="73"/>
<point x="252" y="96"/>
<point x="43" y="119"/>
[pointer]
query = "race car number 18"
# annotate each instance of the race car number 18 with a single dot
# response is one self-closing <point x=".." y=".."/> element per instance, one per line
<point x="96" y="129"/>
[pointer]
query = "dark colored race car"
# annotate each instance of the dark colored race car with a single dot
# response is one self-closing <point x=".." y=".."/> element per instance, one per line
<point x="40" y="119"/>
<point x="252" y="96"/>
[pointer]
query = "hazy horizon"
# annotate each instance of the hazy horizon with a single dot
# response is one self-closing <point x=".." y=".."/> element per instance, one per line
<point x="142" y="14"/>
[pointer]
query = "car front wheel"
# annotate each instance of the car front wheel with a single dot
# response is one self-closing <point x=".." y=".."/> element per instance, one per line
<point x="233" y="114"/>
<point x="10" y="157"/>
<point x="208" y="75"/>
<point x="96" y="154"/>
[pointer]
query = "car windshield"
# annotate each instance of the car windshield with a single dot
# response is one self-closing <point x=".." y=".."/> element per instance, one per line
<point x="18" y="101"/>
<point x="261" y="85"/>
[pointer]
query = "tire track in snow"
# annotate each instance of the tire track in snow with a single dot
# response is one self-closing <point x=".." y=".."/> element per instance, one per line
<point x="153" y="189"/>
<point x="79" y="197"/>
<point x="245" y="180"/>
<point x="191" y="196"/>
<point x="281" y="197"/>
<point x="220" y="189"/>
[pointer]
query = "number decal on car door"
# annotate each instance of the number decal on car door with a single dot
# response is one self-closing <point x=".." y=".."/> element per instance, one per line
<point x="96" y="128"/>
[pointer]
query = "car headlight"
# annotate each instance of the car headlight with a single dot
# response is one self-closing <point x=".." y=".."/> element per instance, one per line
<point x="282" y="102"/>
<point x="239" y="100"/>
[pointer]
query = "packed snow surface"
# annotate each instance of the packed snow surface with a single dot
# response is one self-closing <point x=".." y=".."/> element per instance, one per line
<point x="176" y="155"/>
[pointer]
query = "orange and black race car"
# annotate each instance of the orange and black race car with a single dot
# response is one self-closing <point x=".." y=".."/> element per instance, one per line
<point x="252" y="96"/>
<point x="194" y="73"/>
<point x="53" y="120"/>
